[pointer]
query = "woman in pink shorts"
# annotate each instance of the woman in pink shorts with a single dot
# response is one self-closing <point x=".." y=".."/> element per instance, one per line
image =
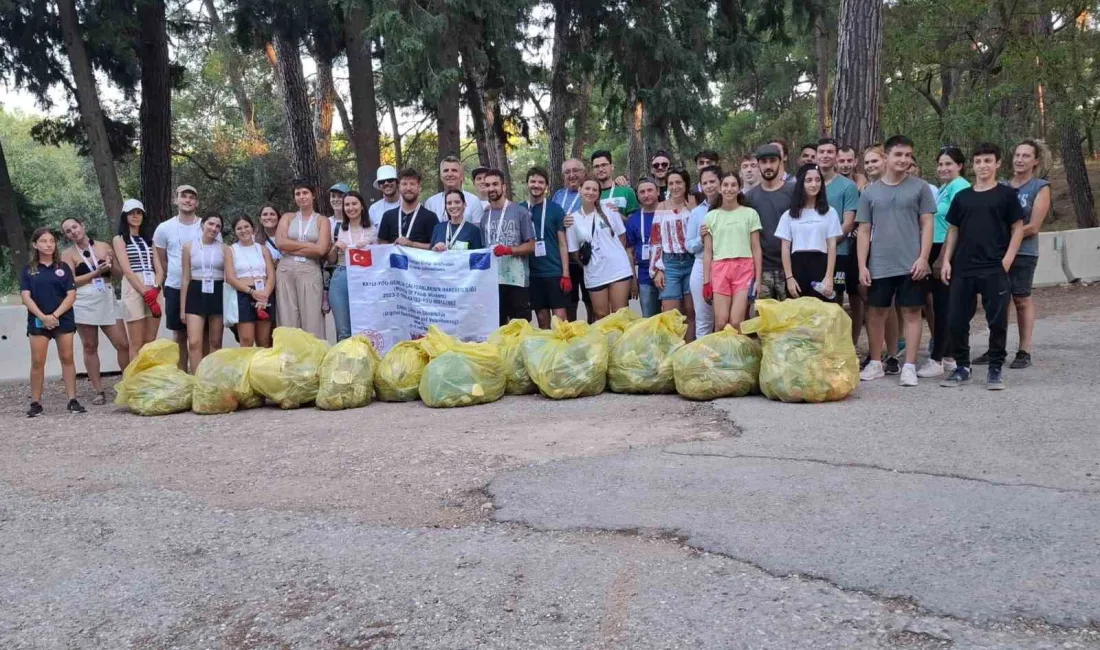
<point x="732" y="258"/>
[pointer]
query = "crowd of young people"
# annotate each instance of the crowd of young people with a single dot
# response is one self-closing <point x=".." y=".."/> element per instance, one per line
<point x="897" y="248"/>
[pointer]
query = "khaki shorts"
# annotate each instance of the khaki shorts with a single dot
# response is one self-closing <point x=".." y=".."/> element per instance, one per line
<point x="133" y="305"/>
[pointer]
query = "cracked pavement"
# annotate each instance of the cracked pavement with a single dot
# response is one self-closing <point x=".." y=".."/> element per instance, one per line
<point x="901" y="518"/>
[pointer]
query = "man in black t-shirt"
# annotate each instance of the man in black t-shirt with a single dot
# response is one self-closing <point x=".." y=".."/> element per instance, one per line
<point x="410" y="224"/>
<point x="986" y="228"/>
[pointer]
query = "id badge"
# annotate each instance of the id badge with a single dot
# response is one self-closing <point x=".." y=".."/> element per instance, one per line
<point x="645" y="251"/>
<point x="148" y="279"/>
<point x="540" y="249"/>
<point x="100" y="285"/>
<point x="299" y="258"/>
<point x="259" y="285"/>
<point x="460" y="246"/>
<point x="208" y="286"/>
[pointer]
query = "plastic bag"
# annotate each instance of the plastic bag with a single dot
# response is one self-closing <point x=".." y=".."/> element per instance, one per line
<point x="641" y="360"/>
<point x="397" y="378"/>
<point x="347" y="375"/>
<point x="808" y="352"/>
<point x="723" y="364"/>
<point x="613" y="325"/>
<point x="153" y="384"/>
<point x="221" y="382"/>
<point x="460" y="374"/>
<point x="568" y="360"/>
<point x="286" y="373"/>
<point x="508" y="340"/>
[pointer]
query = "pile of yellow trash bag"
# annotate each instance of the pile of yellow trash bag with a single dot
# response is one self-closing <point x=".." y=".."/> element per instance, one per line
<point x="568" y="360"/>
<point x="287" y="372"/>
<point x="221" y="382"/>
<point x="808" y="353"/>
<point x="641" y="359"/>
<point x="459" y="373"/>
<point x="153" y="384"/>
<point x="509" y="340"/>
<point x="722" y="364"/>
<point x="347" y="375"/>
<point x="614" y="324"/>
<point x="397" y="378"/>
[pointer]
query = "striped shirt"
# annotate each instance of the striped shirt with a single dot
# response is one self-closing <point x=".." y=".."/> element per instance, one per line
<point x="139" y="252"/>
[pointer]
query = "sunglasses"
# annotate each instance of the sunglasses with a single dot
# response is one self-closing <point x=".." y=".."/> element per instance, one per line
<point x="388" y="180"/>
<point x="660" y="165"/>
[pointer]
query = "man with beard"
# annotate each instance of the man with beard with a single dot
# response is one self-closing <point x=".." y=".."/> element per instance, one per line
<point x="551" y="280"/>
<point x="507" y="229"/>
<point x="410" y="224"/>
<point x="385" y="181"/>
<point x="168" y="241"/>
<point x="451" y="174"/>
<point x="771" y="198"/>
<point x="569" y="198"/>
<point x="618" y="200"/>
<point x="784" y="147"/>
<point x="846" y="165"/>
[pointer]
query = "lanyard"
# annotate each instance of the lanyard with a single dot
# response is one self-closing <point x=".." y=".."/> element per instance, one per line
<point x="304" y="232"/>
<point x="500" y="224"/>
<point x="206" y="274"/>
<point x="595" y="215"/>
<point x="451" y="240"/>
<point x="257" y="272"/>
<point x="357" y="242"/>
<point x="411" y="222"/>
<point x="542" y="227"/>
<point x="144" y="254"/>
<point x="573" y="205"/>
<point x="89" y="255"/>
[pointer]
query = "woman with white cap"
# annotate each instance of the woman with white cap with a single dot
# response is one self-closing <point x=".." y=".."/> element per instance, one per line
<point x="386" y="182"/>
<point x="143" y="275"/>
<point x="95" y="306"/>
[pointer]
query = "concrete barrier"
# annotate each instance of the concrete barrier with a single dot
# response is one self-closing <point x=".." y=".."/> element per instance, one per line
<point x="1049" y="272"/>
<point x="1081" y="251"/>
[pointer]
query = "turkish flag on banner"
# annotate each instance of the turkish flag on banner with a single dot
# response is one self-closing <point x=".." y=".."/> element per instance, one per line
<point x="358" y="257"/>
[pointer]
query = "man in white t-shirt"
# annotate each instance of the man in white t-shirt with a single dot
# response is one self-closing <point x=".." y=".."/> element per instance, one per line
<point x="385" y="181"/>
<point x="452" y="174"/>
<point x="169" y="240"/>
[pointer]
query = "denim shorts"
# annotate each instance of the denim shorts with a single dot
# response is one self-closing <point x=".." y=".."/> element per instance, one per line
<point x="677" y="275"/>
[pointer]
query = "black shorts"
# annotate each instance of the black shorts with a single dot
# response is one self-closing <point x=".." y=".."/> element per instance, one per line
<point x="172" y="318"/>
<point x="546" y="293"/>
<point x="246" y="312"/>
<point x="900" y="289"/>
<point x="204" y="304"/>
<point x="604" y="286"/>
<point x="514" y="303"/>
<point x="63" y="327"/>
<point x="1021" y="275"/>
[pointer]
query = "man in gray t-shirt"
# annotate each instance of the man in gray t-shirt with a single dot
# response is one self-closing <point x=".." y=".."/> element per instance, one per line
<point x="894" y="241"/>
<point x="771" y="198"/>
<point x="506" y="228"/>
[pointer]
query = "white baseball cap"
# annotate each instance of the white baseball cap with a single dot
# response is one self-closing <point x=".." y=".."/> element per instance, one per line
<point x="385" y="173"/>
<point x="132" y="204"/>
<point x="186" y="188"/>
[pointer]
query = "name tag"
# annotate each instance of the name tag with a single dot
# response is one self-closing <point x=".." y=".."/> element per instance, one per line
<point x="208" y="286"/>
<point x="259" y="286"/>
<point x="645" y="251"/>
<point x="460" y="246"/>
<point x="148" y="278"/>
<point x="100" y="285"/>
<point x="299" y="258"/>
<point x="540" y="249"/>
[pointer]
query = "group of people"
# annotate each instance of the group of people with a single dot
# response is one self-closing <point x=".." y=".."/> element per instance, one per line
<point x="706" y="244"/>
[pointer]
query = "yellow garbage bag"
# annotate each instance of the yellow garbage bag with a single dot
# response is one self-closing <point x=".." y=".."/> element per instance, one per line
<point x="286" y="373"/>
<point x="615" y="323"/>
<point x="641" y="360"/>
<point x="508" y="340"/>
<point x="808" y="352"/>
<point x="722" y="364"/>
<point x="460" y="374"/>
<point x="221" y="382"/>
<point x="347" y="375"/>
<point x="568" y="360"/>
<point x="153" y="384"/>
<point x="397" y="378"/>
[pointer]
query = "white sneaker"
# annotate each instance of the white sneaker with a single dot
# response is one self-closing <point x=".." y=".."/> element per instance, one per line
<point x="908" y="375"/>
<point x="949" y="366"/>
<point x="930" y="369"/>
<point x="872" y="370"/>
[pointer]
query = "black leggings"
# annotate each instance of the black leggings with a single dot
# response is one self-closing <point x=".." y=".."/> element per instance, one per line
<point x="941" y="333"/>
<point x="808" y="267"/>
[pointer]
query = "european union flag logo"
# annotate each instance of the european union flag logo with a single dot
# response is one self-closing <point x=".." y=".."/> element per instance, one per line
<point x="480" y="261"/>
<point x="399" y="261"/>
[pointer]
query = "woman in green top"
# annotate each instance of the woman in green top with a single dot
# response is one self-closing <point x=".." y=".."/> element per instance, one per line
<point x="950" y="165"/>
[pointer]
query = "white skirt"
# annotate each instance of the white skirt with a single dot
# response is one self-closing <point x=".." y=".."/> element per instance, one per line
<point x="94" y="307"/>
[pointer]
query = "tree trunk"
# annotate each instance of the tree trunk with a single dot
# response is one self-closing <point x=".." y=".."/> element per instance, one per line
<point x="559" y="91"/>
<point x="1077" y="175"/>
<point x="234" y="70"/>
<point x="155" y="113"/>
<point x="858" y="71"/>
<point x="91" y="114"/>
<point x="446" y="111"/>
<point x="635" y="123"/>
<point x="475" y="102"/>
<point x="398" y="158"/>
<point x="299" y="120"/>
<point x="345" y="118"/>
<point x="324" y="105"/>
<point x="364" y="105"/>
<point x="14" y="236"/>
<point x="580" y="120"/>
<point x="821" y="71"/>
<point x="498" y="142"/>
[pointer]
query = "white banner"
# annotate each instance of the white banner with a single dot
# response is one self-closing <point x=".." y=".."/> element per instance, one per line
<point x="396" y="293"/>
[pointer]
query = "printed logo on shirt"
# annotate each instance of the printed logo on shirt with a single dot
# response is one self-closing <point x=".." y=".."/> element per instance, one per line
<point x="1023" y="196"/>
<point x="398" y="261"/>
<point x="480" y="261"/>
<point x="357" y="257"/>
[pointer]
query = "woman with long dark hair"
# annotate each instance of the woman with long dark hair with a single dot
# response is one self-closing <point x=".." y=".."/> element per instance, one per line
<point x="143" y="275"/>
<point x="809" y="232"/>
<point x="608" y="272"/>
<point x="671" y="260"/>
<point x="48" y="292"/>
<point x="201" y="297"/>
<point x="354" y="232"/>
<point x="304" y="237"/>
<point x="250" y="271"/>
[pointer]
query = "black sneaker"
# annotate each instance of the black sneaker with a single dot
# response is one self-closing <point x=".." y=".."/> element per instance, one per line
<point x="75" y="407"/>
<point x="863" y="362"/>
<point x="958" y="378"/>
<point x="993" y="379"/>
<point x="981" y="360"/>
<point x="34" y="410"/>
<point x="1022" y="360"/>
<point x="893" y="366"/>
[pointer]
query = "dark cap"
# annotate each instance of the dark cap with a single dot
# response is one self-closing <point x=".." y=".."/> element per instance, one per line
<point x="479" y="171"/>
<point x="768" y="151"/>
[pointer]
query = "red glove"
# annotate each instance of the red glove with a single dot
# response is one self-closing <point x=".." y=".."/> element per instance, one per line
<point x="708" y="291"/>
<point x="566" y="285"/>
<point x="500" y="250"/>
<point x="150" y="298"/>
<point x="262" y="314"/>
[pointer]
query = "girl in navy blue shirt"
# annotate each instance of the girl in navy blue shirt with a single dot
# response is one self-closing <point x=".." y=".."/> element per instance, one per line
<point x="48" y="291"/>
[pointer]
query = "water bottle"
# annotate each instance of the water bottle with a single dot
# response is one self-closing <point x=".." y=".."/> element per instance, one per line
<point x="818" y="286"/>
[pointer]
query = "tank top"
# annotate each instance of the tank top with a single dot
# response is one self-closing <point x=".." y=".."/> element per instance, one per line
<point x="88" y="263"/>
<point x="303" y="229"/>
<point x="362" y="238"/>
<point x="248" y="261"/>
<point x="207" y="261"/>
<point x="140" y="255"/>
<point x="1027" y="194"/>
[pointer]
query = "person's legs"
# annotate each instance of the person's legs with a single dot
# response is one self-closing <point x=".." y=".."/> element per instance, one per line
<point x="892" y="331"/>
<point x="339" y="302"/>
<point x="116" y="334"/>
<point x="940" y="336"/>
<point x="135" y="331"/>
<point x="600" y="304"/>
<point x="619" y="295"/>
<point x="152" y="329"/>
<point x="689" y="312"/>
<point x="1020" y="279"/>
<point x="309" y="288"/>
<point x="40" y="347"/>
<point x="68" y="366"/>
<point x="911" y="317"/>
<point x="1025" y="320"/>
<point x="196" y="339"/>
<point x="263" y="333"/>
<point x="89" y="341"/>
<point x="704" y="312"/>
<point x="722" y="307"/>
<point x="876" y="330"/>
<point x="962" y="304"/>
<point x="286" y="294"/>
<point x="215" y="331"/>
<point x="739" y="308"/>
<point x="246" y="334"/>
<point x="649" y="299"/>
<point x="174" y="321"/>
<point x="995" y="301"/>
